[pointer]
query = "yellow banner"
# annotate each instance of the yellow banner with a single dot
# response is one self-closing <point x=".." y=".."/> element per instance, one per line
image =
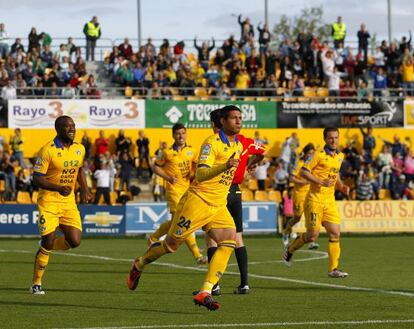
<point x="409" y="113"/>
<point x="373" y="216"/>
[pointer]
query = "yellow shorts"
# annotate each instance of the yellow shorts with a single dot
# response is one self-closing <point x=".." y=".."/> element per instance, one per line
<point x="173" y="198"/>
<point x="318" y="212"/>
<point x="298" y="204"/>
<point x="194" y="213"/>
<point x="51" y="215"/>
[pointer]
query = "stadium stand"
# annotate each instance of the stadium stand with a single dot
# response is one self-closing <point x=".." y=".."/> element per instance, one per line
<point x="301" y="69"/>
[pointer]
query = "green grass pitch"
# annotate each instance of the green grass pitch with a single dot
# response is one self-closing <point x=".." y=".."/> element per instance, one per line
<point x="87" y="287"/>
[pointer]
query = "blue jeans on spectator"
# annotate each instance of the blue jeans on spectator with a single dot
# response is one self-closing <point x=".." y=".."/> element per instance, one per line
<point x="4" y="49"/>
<point x="9" y="186"/>
<point x="408" y="88"/>
<point x="18" y="155"/>
<point x="125" y="180"/>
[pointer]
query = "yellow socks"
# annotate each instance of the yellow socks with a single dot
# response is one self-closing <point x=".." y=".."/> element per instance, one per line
<point x="192" y="245"/>
<point x="41" y="261"/>
<point x="297" y="243"/>
<point x="334" y="251"/>
<point x="155" y="251"/>
<point x="162" y="230"/>
<point x="218" y="264"/>
<point x="61" y="244"/>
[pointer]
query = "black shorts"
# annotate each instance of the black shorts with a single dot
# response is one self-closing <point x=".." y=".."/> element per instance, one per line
<point x="234" y="205"/>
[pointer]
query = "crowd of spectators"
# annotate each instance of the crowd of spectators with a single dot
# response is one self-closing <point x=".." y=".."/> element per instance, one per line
<point x="105" y="171"/>
<point x="250" y="64"/>
<point x="389" y="174"/>
<point x="59" y="74"/>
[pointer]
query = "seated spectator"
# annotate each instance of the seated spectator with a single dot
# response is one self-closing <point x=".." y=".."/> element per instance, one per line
<point x="23" y="183"/>
<point x="364" y="190"/>
<point x="380" y="81"/>
<point x="16" y="46"/>
<point x="400" y="190"/>
<point x="68" y="92"/>
<point x="47" y="56"/>
<point x="61" y="53"/>
<point x="125" y="49"/>
<point x="347" y="89"/>
<point x="92" y="90"/>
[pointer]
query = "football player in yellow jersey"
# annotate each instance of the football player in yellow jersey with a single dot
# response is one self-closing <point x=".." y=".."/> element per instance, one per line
<point x="56" y="172"/>
<point x="300" y="189"/>
<point x="320" y="208"/>
<point x="204" y="206"/>
<point x="176" y="166"/>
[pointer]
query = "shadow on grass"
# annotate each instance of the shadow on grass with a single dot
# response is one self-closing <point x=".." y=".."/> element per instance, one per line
<point x="53" y="304"/>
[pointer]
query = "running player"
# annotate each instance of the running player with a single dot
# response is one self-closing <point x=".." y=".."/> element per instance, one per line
<point x="300" y="190"/>
<point x="251" y="155"/>
<point x="176" y="166"/>
<point x="320" y="208"/>
<point x="55" y="173"/>
<point x="204" y="206"/>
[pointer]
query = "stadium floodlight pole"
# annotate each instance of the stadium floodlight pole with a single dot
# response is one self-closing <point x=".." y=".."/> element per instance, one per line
<point x="266" y="11"/>
<point x="389" y="22"/>
<point x="139" y="22"/>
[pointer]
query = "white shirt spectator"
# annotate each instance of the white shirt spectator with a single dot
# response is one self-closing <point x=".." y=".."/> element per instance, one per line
<point x="281" y="176"/>
<point x="4" y="36"/>
<point x="102" y="177"/>
<point x="334" y="80"/>
<point x="261" y="171"/>
<point x="8" y="92"/>
<point x="286" y="152"/>
<point x="379" y="58"/>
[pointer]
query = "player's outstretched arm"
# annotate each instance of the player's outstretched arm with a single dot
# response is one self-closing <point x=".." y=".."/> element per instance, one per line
<point x="205" y="172"/>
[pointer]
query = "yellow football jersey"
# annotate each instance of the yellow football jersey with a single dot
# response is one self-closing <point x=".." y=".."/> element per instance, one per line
<point x="216" y="150"/>
<point x="60" y="165"/>
<point x="177" y="163"/>
<point x="324" y="164"/>
<point x="299" y="188"/>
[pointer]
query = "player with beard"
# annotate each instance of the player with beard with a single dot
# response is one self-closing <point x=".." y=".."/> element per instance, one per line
<point x="56" y="172"/>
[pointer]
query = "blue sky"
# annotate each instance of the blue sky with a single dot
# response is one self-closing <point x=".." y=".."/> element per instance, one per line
<point x="183" y="19"/>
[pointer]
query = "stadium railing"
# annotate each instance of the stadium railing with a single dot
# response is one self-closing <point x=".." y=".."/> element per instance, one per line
<point x="205" y="93"/>
<point x="104" y="45"/>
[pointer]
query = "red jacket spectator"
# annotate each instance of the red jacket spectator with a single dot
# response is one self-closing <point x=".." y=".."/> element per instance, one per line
<point x="101" y="144"/>
<point x="126" y="48"/>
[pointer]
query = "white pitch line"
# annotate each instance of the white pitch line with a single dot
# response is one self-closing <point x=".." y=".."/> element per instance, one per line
<point x="323" y="255"/>
<point x="265" y="324"/>
<point x="257" y="276"/>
